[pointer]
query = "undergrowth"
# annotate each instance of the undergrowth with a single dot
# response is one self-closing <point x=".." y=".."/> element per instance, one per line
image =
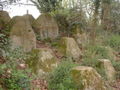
<point x="60" y="78"/>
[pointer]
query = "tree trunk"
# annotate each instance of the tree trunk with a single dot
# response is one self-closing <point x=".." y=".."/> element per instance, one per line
<point x="106" y="22"/>
<point x="94" y="26"/>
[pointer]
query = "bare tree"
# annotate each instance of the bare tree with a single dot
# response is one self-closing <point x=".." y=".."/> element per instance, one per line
<point x="4" y="3"/>
<point x="106" y="10"/>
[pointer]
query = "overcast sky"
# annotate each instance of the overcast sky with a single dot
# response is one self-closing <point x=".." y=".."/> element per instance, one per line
<point x="18" y="10"/>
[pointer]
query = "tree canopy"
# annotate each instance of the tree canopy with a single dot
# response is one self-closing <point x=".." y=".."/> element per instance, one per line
<point x="47" y="5"/>
<point x="4" y="3"/>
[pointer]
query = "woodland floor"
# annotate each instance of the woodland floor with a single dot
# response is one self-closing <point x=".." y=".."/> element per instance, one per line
<point x="41" y="84"/>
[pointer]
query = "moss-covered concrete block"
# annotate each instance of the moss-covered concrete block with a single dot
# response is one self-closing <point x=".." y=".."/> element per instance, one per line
<point x="42" y="61"/>
<point x="22" y="34"/>
<point x="109" y="69"/>
<point x="46" y="26"/>
<point x="70" y="48"/>
<point x="86" y="78"/>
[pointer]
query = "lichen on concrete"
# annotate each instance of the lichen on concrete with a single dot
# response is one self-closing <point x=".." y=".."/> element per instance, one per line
<point x="86" y="78"/>
<point x="41" y="61"/>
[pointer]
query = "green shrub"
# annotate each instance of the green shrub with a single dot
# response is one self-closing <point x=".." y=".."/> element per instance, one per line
<point x="114" y="41"/>
<point x="4" y="38"/>
<point x="4" y="41"/>
<point x="18" y="80"/>
<point x="116" y="65"/>
<point x="32" y="60"/>
<point x="55" y="43"/>
<point x="60" y="78"/>
<point x="16" y="54"/>
<point x="96" y="51"/>
<point x="91" y="58"/>
<point x="15" y="79"/>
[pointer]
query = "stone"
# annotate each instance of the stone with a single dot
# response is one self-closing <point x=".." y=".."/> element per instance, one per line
<point x="1" y="87"/>
<point x="22" y="34"/>
<point x="109" y="69"/>
<point x="70" y="48"/>
<point x="86" y="78"/>
<point x="46" y="26"/>
<point x="4" y="19"/>
<point x="111" y="53"/>
<point x="31" y="18"/>
<point x="43" y="62"/>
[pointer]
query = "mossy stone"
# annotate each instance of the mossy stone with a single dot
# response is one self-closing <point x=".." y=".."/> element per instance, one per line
<point x="41" y="61"/>
<point x="86" y="78"/>
<point x="70" y="48"/>
<point x="46" y="26"/>
<point x="22" y="34"/>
